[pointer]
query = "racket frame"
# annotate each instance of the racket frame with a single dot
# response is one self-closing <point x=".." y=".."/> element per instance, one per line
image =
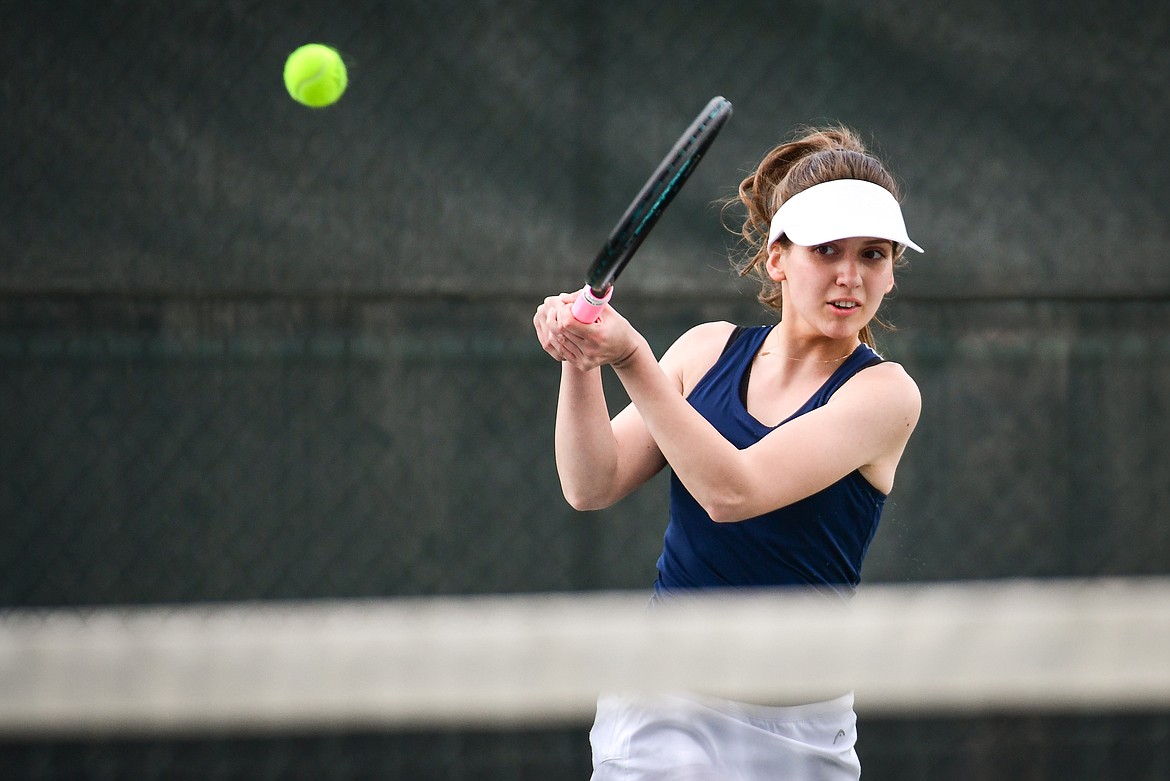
<point x="643" y="212"/>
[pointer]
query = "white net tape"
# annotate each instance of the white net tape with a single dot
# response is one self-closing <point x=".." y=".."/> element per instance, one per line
<point x="540" y="660"/>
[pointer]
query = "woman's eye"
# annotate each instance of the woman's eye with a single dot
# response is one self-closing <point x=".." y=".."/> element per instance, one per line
<point x="878" y="252"/>
<point x="824" y="249"/>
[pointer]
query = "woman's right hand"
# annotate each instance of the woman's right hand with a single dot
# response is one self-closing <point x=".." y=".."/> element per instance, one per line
<point x="610" y="340"/>
<point x="549" y="329"/>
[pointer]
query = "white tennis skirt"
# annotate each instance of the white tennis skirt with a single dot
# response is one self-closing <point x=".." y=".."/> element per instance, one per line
<point x="694" y="738"/>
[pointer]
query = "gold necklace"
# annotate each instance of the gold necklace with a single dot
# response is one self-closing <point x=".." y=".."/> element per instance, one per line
<point x="762" y="353"/>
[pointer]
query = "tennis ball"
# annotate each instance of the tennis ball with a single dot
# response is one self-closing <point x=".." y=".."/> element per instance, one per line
<point x="315" y="75"/>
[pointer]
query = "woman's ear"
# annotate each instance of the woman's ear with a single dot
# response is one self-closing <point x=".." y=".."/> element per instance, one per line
<point x="774" y="265"/>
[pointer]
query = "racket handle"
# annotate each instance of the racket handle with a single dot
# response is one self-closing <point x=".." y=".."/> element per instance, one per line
<point x="587" y="308"/>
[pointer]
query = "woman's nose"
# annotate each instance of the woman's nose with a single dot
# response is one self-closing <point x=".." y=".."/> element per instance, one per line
<point x="848" y="274"/>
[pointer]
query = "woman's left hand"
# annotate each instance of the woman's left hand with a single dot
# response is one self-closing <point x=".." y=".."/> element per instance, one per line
<point x="610" y="340"/>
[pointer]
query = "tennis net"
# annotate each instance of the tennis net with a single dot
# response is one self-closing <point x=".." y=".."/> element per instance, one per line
<point x="540" y="660"/>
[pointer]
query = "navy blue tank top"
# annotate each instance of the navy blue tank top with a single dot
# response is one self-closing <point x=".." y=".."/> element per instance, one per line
<point x="819" y="541"/>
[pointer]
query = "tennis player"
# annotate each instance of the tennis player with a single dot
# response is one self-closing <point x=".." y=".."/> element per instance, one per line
<point x="782" y="441"/>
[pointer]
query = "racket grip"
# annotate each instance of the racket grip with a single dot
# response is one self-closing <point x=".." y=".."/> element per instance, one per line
<point x="587" y="308"/>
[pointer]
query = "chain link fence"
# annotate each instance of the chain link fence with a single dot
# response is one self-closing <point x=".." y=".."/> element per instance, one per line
<point x="254" y="351"/>
<point x="240" y="450"/>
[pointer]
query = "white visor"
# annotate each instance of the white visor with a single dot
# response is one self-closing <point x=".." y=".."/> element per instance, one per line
<point x="841" y="209"/>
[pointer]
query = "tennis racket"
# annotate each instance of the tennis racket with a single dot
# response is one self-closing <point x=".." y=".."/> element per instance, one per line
<point x="647" y="207"/>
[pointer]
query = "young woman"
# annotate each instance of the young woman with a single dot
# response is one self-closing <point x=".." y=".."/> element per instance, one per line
<point x="782" y="441"/>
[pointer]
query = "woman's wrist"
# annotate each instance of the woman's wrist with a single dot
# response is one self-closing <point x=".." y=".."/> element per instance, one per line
<point x="628" y="359"/>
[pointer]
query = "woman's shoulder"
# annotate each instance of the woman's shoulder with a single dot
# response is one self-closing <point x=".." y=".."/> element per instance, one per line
<point x="694" y="352"/>
<point x="887" y="383"/>
<point x="889" y="371"/>
<point x="704" y="335"/>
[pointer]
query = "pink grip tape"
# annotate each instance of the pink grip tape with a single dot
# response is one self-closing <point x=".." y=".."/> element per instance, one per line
<point x="587" y="308"/>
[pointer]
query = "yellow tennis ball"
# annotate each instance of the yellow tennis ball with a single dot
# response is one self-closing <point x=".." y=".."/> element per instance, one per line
<point x="315" y="75"/>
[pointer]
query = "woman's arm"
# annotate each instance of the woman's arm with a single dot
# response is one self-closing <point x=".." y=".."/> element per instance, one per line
<point x="865" y="425"/>
<point x="599" y="461"/>
<point x="866" y="422"/>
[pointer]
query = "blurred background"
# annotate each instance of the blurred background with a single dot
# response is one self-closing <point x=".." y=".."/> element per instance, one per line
<point x="255" y="351"/>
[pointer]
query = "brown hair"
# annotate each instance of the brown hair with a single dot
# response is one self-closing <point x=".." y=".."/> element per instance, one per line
<point x="815" y="156"/>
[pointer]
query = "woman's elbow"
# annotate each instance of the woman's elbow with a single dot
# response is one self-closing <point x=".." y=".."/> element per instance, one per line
<point x="583" y="500"/>
<point x="725" y="507"/>
<point x="725" y="514"/>
<point x="582" y="503"/>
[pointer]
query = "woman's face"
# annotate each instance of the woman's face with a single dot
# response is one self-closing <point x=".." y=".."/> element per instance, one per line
<point x="834" y="288"/>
